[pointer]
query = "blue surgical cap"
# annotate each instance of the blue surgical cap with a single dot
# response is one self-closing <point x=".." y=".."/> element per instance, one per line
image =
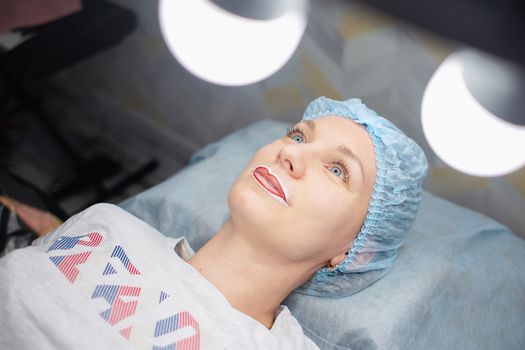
<point x="401" y="167"/>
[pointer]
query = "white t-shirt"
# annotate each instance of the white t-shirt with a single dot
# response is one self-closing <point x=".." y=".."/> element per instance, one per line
<point x="107" y="280"/>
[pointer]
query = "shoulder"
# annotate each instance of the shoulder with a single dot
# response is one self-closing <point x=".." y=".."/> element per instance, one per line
<point x="105" y="210"/>
<point x="288" y="329"/>
<point x="104" y="218"/>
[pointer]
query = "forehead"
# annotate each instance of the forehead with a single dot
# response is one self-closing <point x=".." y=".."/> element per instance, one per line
<point x="340" y="125"/>
<point x="343" y="130"/>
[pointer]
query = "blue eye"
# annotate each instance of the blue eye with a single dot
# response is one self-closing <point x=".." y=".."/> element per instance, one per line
<point x="296" y="134"/>
<point x="297" y="138"/>
<point x="336" y="170"/>
<point x="340" y="169"/>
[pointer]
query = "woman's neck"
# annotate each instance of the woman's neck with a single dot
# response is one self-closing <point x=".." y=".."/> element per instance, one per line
<point x="253" y="281"/>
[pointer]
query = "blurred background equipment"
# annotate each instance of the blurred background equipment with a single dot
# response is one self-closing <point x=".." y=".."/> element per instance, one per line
<point x="46" y="49"/>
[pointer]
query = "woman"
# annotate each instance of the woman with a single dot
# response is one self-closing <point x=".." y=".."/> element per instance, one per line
<point x="335" y="195"/>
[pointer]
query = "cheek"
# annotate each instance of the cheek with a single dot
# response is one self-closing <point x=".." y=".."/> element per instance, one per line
<point x="328" y="203"/>
<point x="334" y="220"/>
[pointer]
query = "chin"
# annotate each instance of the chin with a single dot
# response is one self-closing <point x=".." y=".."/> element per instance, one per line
<point x="258" y="217"/>
<point x="247" y="205"/>
<point x="242" y="198"/>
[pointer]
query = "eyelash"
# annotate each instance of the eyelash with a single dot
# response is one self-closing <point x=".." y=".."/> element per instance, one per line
<point x="344" y="167"/>
<point x="297" y="130"/>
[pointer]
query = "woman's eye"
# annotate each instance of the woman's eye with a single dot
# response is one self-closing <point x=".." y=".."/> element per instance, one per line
<point x="337" y="171"/>
<point x="297" y="138"/>
<point x="296" y="134"/>
<point x="340" y="169"/>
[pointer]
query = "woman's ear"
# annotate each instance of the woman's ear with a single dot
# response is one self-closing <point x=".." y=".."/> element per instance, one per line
<point x="338" y="259"/>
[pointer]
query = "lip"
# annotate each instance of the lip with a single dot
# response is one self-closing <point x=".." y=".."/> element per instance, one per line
<point x="271" y="183"/>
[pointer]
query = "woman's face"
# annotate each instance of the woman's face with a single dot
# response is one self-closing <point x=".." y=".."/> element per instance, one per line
<point x="326" y="167"/>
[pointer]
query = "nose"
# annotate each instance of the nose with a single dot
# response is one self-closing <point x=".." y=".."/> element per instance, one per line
<point x="293" y="159"/>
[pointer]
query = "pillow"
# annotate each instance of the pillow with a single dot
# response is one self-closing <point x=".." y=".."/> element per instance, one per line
<point x="458" y="282"/>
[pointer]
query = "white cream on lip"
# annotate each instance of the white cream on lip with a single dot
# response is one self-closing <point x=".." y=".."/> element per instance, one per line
<point x="284" y="201"/>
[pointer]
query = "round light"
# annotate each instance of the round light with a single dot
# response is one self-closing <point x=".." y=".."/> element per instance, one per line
<point x="227" y="49"/>
<point x="462" y="132"/>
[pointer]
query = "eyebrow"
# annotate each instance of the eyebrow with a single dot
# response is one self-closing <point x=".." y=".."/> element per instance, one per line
<point x="310" y="124"/>
<point x="342" y="149"/>
<point x="348" y="152"/>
